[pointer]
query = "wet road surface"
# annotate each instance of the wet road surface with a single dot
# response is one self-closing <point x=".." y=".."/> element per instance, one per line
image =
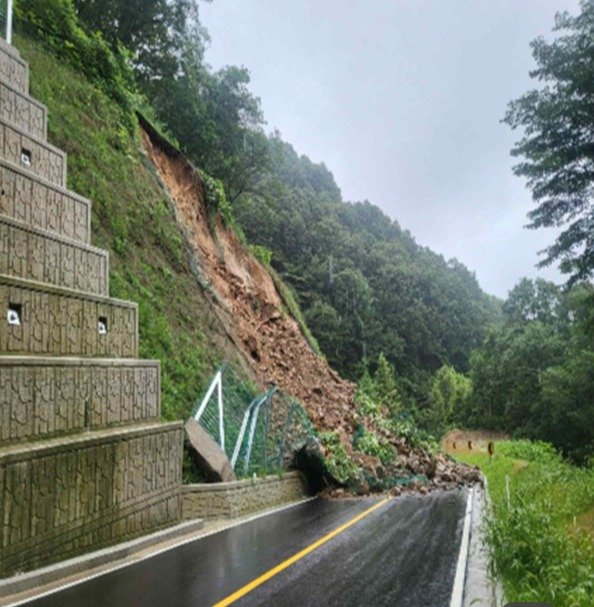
<point x="402" y="554"/>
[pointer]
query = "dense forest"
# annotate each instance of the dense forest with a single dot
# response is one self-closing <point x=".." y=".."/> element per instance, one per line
<point x="372" y="297"/>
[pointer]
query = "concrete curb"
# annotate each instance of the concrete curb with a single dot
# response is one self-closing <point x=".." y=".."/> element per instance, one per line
<point x="25" y="582"/>
<point x="479" y="587"/>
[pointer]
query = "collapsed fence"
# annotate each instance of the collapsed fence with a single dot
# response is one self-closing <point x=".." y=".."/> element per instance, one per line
<point x="258" y="431"/>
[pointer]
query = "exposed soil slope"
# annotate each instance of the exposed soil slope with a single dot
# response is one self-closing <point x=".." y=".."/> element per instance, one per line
<point x="246" y="296"/>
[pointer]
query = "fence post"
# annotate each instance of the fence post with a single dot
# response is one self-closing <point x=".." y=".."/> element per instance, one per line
<point x="221" y="414"/>
<point x="9" y="22"/>
<point x="211" y="389"/>
<point x="248" y="455"/>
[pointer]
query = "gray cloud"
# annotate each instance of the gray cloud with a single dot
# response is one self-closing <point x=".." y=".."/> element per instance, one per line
<point x="402" y="99"/>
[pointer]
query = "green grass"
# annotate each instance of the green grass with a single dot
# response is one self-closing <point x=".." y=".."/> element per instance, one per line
<point x="290" y="300"/>
<point x="134" y="220"/>
<point x="540" y="549"/>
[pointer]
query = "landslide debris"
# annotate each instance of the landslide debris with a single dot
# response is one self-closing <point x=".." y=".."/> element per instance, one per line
<point x="246" y="298"/>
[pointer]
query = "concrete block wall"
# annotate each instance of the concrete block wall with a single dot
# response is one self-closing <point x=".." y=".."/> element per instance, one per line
<point x="57" y="321"/>
<point x="18" y="108"/>
<point x="45" y="397"/>
<point x="239" y="498"/>
<point x="25" y="150"/>
<point x="41" y="204"/>
<point x="33" y="254"/>
<point x="13" y="70"/>
<point x="62" y="496"/>
<point x="84" y="460"/>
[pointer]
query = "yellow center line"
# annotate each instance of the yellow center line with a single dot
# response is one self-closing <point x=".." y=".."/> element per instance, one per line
<point x="296" y="557"/>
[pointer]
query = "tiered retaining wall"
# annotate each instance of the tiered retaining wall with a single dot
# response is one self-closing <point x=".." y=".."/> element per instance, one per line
<point x="84" y="460"/>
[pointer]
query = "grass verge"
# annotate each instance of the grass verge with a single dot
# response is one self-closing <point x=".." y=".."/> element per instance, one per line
<point x="542" y="547"/>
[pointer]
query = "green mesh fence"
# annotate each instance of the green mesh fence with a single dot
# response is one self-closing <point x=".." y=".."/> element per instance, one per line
<point x="3" y="7"/>
<point x="261" y="430"/>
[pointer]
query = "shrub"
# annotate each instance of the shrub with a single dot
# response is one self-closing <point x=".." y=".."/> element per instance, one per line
<point x="262" y="254"/>
<point x="337" y="460"/>
<point x="371" y="444"/>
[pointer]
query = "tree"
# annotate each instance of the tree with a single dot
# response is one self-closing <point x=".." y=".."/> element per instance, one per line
<point x="155" y="31"/>
<point x="385" y="388"/>
<point x="534" y="374"/>
<point x="558" y="144"/>
<point x="534" y="300"/>
<point x="568" y="405"/>
<point x="448" y="394"/>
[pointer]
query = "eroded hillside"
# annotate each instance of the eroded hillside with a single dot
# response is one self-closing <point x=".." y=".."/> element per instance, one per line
<point x="245" y="295"/>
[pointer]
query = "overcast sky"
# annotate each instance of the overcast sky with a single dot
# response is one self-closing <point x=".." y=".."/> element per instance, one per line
<point x="402" y="100"/>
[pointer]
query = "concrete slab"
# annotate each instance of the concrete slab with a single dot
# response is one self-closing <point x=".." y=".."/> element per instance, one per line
<point x="210" y="457"/>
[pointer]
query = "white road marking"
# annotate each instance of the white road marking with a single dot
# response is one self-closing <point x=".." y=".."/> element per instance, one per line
<point x="132" y="560"/>
<point x="459" y="579"/>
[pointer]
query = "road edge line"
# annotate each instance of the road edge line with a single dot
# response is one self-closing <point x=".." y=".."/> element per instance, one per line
<point x="460" y="577"/>
<point x="132" y="559"/>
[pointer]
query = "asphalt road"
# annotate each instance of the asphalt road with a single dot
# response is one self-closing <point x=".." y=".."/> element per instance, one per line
<point x="402" y="554"/>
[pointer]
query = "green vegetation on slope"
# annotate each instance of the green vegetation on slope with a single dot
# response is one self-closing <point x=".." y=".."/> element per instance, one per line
<point x="134" y="220"/>
<point x="540" y="549"/>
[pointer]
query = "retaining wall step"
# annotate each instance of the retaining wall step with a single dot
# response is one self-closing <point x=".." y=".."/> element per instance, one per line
<point x="47" y="320"/>
<point x="13" y="69"/>
<point x="41" y="204"/>
<point x="67" y="496"/>
<point x="23" y="110"/>
<point x="34" y="254"/>
<point x="43" y="396"/>
<point x="31" y="153"/>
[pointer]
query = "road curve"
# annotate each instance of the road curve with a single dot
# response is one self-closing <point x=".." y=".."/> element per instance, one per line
<point x="402" y="554"/>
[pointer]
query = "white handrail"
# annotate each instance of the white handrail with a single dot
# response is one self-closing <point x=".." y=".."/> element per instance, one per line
<point x="221" y="413"/>
<point x="215" y="382"/>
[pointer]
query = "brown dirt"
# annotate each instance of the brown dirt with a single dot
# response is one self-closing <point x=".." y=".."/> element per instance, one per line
<point x="272" y="341"/>
<point x="585" y="523"/>
<point x="456" y="441"/>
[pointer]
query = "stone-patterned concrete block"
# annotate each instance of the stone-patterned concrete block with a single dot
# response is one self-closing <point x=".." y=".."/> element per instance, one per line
<point x="45" y="397"/>
<point x="239" y="498"/>
<point x="40" y="204"/>
<point x="64" y="497"/>
<point x="37" y="255"/>
<point x="13" y="69"/>
<point x="32" y="154"/>
<point x="55" y="321"/>
<point x="23" y="111"/>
